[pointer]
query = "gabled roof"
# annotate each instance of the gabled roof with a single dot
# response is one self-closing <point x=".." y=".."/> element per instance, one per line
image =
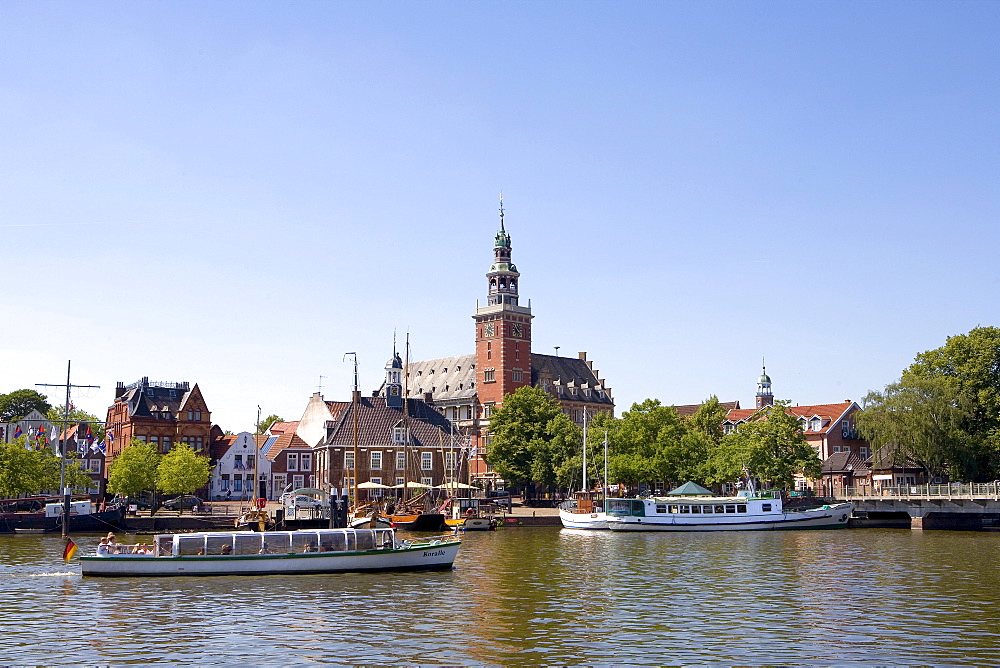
<point x="275" y="445"/>
<point x="842" y="462"/>
<point x="376" y="421"/>
<point x="283" y="427"/>
<point x="830" y="414"/>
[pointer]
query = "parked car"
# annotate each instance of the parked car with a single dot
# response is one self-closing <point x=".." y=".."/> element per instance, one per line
<point x="141" y="503"/>
<point x="185" y="502"/>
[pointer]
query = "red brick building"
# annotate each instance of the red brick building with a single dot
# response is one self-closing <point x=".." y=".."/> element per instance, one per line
<point x="159" y="413"/>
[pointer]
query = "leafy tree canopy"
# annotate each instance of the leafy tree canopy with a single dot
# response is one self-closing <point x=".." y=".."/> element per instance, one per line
<point x="531" y="438"/>
<point x="133" y="471"/>
<point x="24" y="471"/>
<point x="17" y="404"/>
<point x="181" y="471"/>
<point x="921" y="419"/>
<point x="772" y="449"/>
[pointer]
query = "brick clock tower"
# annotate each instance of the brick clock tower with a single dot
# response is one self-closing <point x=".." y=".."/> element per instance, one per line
<point x="503" y="331"/>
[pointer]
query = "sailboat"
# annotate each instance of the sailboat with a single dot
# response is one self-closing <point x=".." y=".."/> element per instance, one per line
<point x="255" y="518"/>
<point x="582" y="513"/>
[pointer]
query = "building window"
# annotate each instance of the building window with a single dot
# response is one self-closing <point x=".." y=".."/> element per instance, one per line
<point x="488" y="409"/>
<point x="518" y="376"/>
<point x="224" y="485"/>
<point x="449" y="461"/>
<point x="168" y="443"/>
<point x="237" y="484"/>
<point x="400" y="461"/>
<point x="398" y="435"/>
<point x="238" y="462"/>
<point x="298" y="481"/>
<point x="348" y="461"/>
<point x="305" y="461"/>
<point x="399" y="481"/>
<point x="292" y="462"/>
<point x="426" y="461"/>
<point x="863" y="451"/>
<point x="489" y="375"/>
<point x="249" y="483"/>
<point x="251" y="460"/>
<point x="376" y="460"/>
<point x="427" y="481"/>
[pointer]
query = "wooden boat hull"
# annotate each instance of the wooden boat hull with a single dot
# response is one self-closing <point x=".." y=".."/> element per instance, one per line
<point x="829" y="517"/>
<point x="571" y="520"/>
<point x="423" y="522"/>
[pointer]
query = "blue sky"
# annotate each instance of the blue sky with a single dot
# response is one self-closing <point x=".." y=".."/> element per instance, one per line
<point x="237" y="194"/>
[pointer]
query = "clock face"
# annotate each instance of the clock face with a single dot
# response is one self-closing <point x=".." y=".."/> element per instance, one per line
<point x="489" y="329"/>
<point x="516" y="329"/>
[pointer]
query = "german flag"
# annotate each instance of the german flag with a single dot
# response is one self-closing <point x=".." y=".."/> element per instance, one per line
<point x="70" y="549"/>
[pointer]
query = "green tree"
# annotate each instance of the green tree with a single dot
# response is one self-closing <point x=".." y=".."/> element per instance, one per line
<point x="532" y="439"/>
<point x="133" y="470"/>
<point x="648" y="444"/>
<point x="772" y="448"/>
<point x="971" y="364"/>
<point x="24" y="471"/>
<point x="708" y="418"/>
<point x="270" y="420"/>
<point x="181" y="471"/>
<point x="17" y="404"/>
<point x="922" y="418"/>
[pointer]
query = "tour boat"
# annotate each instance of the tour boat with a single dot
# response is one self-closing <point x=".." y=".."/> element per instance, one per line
<point x="275" y="552"/>
<point x="746" y="512"/>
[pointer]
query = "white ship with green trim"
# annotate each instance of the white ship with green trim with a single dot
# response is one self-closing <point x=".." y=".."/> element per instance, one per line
<point x="746" y="512"/>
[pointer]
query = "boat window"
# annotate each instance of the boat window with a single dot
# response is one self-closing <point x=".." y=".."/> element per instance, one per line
<point x="638" y="509"/>
<point x="731" y="509"/>
<point x="366" y="539"/>
<point x="619" y="506"/>
<point x="741" y="508"/>
<point x="305" y="541"/>
<point x="279" y="542"/>
<point x="696" y="510"/>
<point x="707" y="510"/>
<point x="164" y="546"/>
<point x="248" y="543"/>
<point x="190" y="545"/>
<point x="720" y="509"/>
<point x="662" y="508"/>
<point x="766" y="507"/>
<point x="352" y="541"/>
<point x="685" y="510"/>
<point x="219" y="544"/>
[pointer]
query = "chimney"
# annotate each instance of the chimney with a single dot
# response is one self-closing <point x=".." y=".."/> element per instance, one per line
<point x="356" y="396"/>
<point x="582" y="355"/>
<point x="119" y="389"/>
<point x="429" y="398"/>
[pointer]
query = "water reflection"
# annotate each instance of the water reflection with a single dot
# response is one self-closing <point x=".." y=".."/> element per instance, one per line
<point x="525" y="596"/>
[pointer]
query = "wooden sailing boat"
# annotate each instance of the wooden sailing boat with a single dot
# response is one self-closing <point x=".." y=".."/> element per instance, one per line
<point x="255" y="517"/>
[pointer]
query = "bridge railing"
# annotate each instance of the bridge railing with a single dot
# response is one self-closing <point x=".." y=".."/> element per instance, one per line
<point x="987" y="490"/>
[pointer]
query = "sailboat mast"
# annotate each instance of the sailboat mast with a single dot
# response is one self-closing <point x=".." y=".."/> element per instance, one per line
<point x="354" y="410"/>
<point x="406" y="418"/>
<point x="585" y="449"/>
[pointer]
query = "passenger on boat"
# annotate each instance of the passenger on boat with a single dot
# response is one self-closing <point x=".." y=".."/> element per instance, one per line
<point x="227" y="549"/>
<point x="102" y="549"/>
<point x="310" y="547"/>
<point x="112" y="543"/>
<point x="264" y="549"/>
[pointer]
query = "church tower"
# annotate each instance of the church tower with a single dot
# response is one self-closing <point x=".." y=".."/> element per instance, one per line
<point x="764" y="395"/>
<point x="394" y="381"/>
<point x="503" y="329"/>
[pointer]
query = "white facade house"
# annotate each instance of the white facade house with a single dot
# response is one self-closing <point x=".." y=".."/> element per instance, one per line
<point x="233" y="475"/>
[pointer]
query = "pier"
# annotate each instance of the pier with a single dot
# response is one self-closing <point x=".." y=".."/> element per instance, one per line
<point x="971" y="506"/>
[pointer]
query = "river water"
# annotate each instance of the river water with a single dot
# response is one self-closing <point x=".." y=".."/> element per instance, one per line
<point x="539" y="595"/>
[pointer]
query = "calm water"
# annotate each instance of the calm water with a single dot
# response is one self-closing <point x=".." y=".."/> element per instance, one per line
<point x="530" y="596"/>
